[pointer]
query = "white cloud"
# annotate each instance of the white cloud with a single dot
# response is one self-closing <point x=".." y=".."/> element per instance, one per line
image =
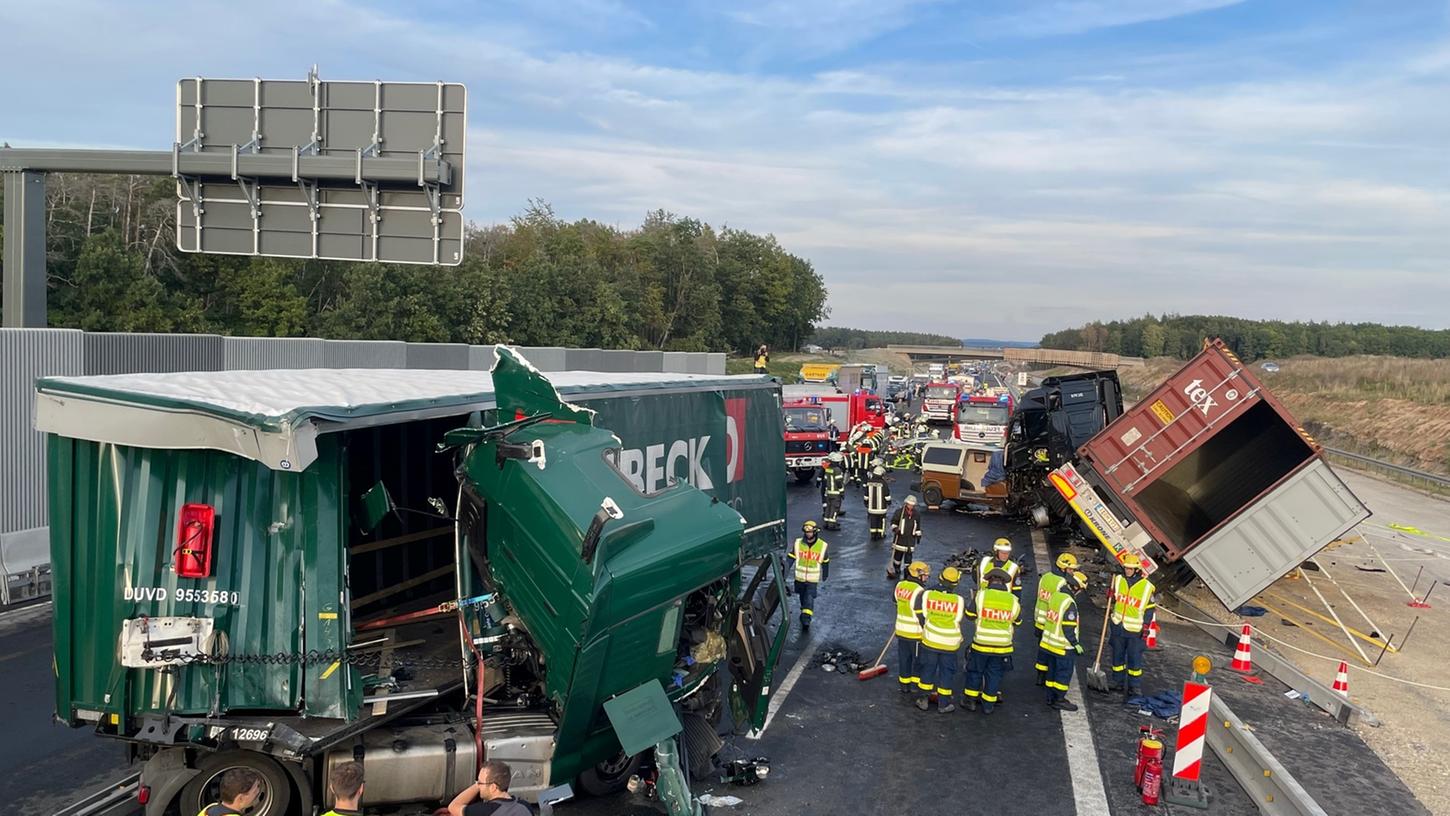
<point x="1057" y="17"/>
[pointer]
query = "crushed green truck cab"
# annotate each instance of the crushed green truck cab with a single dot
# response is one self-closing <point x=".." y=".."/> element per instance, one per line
<point x="288" y="569"/>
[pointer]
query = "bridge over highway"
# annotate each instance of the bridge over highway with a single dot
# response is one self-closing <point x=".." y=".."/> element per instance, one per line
<point x="1034" y="356"/>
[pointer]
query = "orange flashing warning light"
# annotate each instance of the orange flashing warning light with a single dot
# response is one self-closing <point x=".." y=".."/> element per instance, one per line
<point x="1062" y="486"/>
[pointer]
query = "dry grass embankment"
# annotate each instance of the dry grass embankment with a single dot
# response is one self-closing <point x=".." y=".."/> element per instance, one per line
<point x="1392" y="408"/>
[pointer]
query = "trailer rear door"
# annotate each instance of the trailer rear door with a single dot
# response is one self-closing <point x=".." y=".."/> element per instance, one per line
<point x="1276" y="534"/>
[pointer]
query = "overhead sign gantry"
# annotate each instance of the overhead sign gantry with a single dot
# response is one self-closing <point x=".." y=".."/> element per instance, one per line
<point x="355" y="171"/>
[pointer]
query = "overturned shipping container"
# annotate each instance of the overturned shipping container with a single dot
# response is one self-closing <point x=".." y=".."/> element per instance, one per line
<point x="1212" y="470"/>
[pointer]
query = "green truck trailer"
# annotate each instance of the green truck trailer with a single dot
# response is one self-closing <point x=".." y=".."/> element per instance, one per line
<point x="283" y="570"/>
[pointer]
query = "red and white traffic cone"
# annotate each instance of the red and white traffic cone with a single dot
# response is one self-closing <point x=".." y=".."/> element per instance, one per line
<point x="1152" y="641"/>
<point x="1243" y="658"/>
<point x="1341" y="679"/>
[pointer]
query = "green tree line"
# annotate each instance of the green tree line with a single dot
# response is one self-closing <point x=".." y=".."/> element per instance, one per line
<point x="1182" y="336"/>
<point x="673" y="283"/>
<point x="836" y="337"/>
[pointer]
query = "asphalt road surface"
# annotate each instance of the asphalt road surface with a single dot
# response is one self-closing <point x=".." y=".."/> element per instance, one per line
<point x="43" y="765"/>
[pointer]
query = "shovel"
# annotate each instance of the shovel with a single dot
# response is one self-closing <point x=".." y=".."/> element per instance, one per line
<point x="1097" y="679"/>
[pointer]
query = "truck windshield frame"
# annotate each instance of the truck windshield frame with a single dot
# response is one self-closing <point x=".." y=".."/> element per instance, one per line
<point x="941" y="392"/>
<point x="805" y="420"/>
<point x="969" y="414"/>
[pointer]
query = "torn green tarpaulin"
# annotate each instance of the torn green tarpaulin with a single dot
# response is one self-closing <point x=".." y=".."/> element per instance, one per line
<point x="523" y="391"/>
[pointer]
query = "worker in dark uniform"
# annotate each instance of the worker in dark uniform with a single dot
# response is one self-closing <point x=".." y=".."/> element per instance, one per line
<point x="878" y="501"/>
<point x="239" y="790"/>
<point x="997" y="611"/>
<point x="833" y="490"/>
<point x="1060" y="640"/>
<point x="812" y="567"/>
<point x="905" y="535"/>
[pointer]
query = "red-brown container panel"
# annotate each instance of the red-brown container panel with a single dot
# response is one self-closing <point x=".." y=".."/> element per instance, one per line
<point x="1198" y="449"/>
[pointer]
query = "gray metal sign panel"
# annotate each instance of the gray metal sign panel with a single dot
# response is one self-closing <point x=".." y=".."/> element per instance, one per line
<point x="381" y="127"/>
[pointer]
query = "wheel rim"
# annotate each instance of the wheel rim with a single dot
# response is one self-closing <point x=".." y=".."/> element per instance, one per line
<point x="611" y="768"/>
<point x="211" y="792"/>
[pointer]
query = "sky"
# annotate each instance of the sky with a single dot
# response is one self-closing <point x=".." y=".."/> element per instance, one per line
<point x="990" y="168"/>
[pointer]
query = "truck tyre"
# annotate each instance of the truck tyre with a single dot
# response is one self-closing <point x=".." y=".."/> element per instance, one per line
<point x="804" y="476"/>
<point x="201" y="791"/>
<point x="931" y="494"/>
<point x="611" y="775"/>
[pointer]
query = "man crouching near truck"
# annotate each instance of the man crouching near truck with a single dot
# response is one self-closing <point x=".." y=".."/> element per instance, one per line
<point x="240" y="788"/>
<point x="490" y="796"/>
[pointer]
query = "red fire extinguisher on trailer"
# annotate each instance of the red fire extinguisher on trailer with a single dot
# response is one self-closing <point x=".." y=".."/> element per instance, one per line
<point x="1150" y="746"/>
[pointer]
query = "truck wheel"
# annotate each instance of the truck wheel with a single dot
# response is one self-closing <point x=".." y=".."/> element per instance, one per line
<point x="931" y="494"/>
<point x="204" y="788"/>
<point x="804" y="476"/>
<point x="611" y="775"/>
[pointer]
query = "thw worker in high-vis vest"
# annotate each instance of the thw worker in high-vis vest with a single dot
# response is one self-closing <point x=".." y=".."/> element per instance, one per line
<point x="812" y="567"/>
<point x="1060" y="640"/>
<point x="997" y="612"/>
<point x="1132" y="610"/>
<point x="908" y="626"/>
<point x="940" y="611"/>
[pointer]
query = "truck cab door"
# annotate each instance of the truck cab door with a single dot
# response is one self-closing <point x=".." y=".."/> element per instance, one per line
<point x="757" y="636"/>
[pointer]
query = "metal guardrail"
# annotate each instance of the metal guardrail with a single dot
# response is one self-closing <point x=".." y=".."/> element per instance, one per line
<point x="1274" y="790"/>
<point x="1433" y="480"/>
<point x="118" y="799"/>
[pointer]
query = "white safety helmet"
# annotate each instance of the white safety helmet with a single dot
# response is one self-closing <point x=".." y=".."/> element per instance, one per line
<point x="910" y="501"/>
<point x="878" y="471"/>
<point x="836" y="457"/>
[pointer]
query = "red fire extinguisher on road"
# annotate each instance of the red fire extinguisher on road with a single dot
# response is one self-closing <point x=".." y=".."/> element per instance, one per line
<point x="1152" y="779"/>
<point x="1150" y="746"/>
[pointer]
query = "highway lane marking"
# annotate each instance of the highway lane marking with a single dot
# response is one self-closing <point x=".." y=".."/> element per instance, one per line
<point x="818" y="637"/>
<point x="1083" y="768"/>
<point x="777" y="700"/>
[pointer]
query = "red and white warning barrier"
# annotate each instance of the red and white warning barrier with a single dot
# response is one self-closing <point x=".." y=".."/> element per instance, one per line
<point x="1184" y="787"/>
<point x="1341" y="679"/>
<point x="1243" y="656"/>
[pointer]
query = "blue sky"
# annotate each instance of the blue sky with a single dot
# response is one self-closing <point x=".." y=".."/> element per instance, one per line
<point x="988" y="168"/>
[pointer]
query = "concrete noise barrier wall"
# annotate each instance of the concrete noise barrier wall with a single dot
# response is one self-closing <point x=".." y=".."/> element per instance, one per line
<point x="28" y="354"/>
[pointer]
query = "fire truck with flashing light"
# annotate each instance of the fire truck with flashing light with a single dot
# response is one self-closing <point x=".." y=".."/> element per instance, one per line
<point x="808" y="436"/>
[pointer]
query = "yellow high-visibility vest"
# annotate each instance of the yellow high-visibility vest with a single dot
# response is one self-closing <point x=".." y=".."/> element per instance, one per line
<point x="1061" y="613"/>
<point x="907" y="626"/>
<point x="1131" y="602"/>
<point x="943" y="612"/>
<point x="1047" y="585"/>
<point x="809" y="559"/>
<point x="997" y="612"/>
<point x="987" y="565"/>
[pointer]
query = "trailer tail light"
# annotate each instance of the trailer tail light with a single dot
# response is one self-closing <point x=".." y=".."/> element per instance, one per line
<point x="1062" y="486"/>
<point x="194" y="541"/>
<point x="143" y="794"/>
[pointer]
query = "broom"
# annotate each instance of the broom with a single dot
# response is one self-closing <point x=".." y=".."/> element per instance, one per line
<point x="879" y="668"/>
<point x="1097" y="679"/>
